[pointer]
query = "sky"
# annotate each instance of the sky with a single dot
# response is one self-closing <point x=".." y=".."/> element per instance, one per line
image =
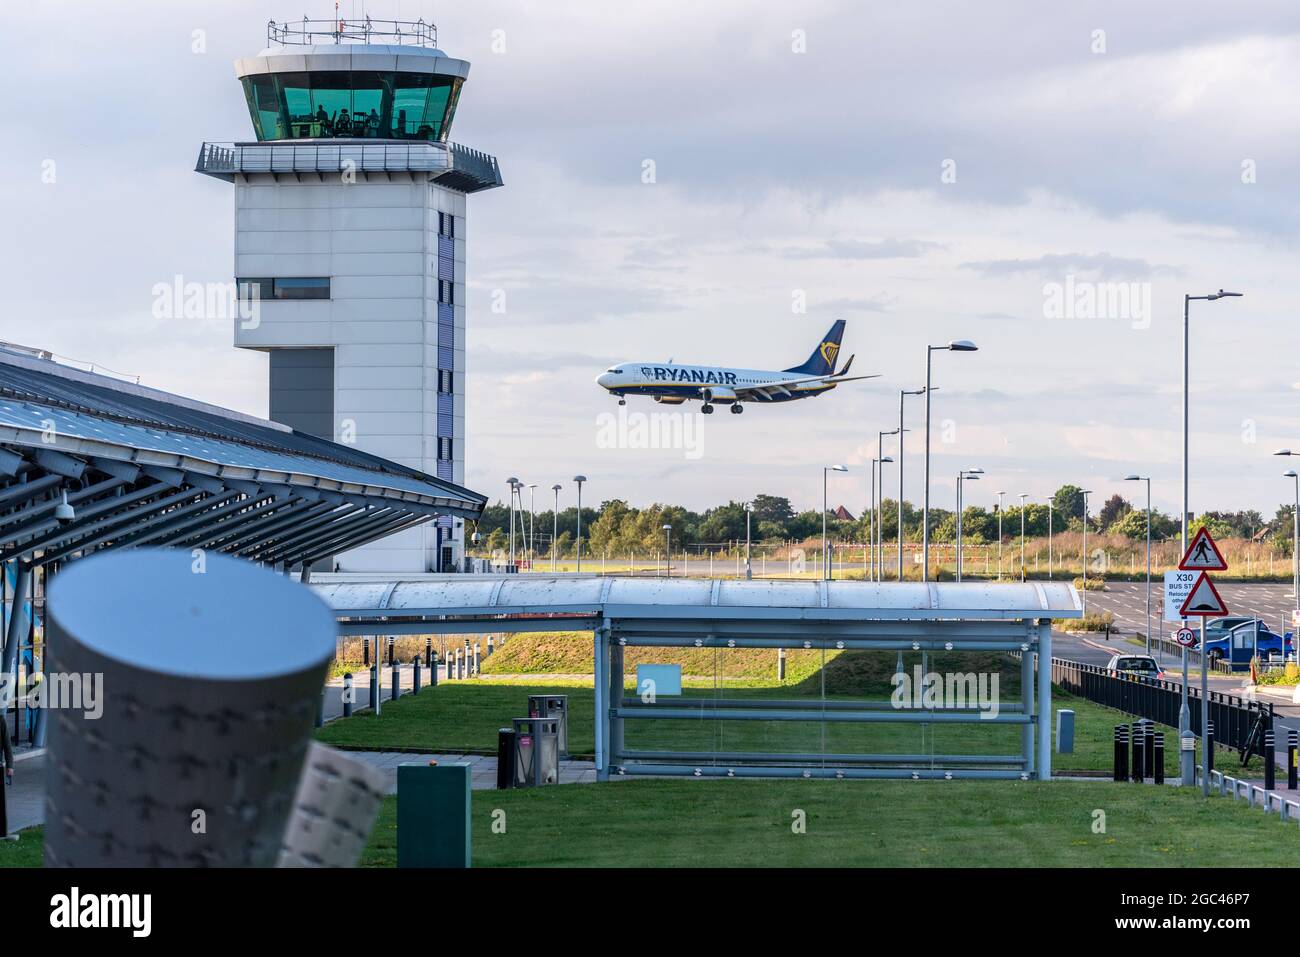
<point x="1045" y="181"/>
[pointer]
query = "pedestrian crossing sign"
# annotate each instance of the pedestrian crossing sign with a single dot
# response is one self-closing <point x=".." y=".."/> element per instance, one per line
<point x="1203" y="555"/>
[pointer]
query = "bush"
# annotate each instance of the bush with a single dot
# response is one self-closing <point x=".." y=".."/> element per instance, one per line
<point x="1092" y="584"/>
<point x="1093" y="621"/>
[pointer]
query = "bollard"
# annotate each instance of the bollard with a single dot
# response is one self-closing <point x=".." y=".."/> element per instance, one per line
<point x="491" y="647"/>
<point x="365" y="652"/>
<point x="505" y="758"/>
<point x="428" y="651"/>
<point x="1208" y="756"/>
<point x="392" y="642"/>
<point x="415" y="683"/>
<point x="1121" y="754"/>
<point x="433" y="671"/>
<point x="374" y="688"/>
<point x="460" y="663"/>
<point x="1158" y="758"/>
<point x="1292" y="741"/>
<point x="1138" y="740"/>
<point x="780" y="664"/>
<point x="1149" y="748"/>
<point x="396" y="690"/>
<point x="320" y="709"/>
<point x="476" y="660"/>
<point x="349" y="695"/>
<point x="1270" y="761"/>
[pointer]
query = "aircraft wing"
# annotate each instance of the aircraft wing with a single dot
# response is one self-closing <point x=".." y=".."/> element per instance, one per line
<point x="785" y="386"/>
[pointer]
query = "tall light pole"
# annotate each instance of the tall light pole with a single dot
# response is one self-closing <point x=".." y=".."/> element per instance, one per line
<point x="1083" y="557"/>
<point x="579" y="479"/>
<point x="826" y="565"/>
<point x="513" y="483"/>
<point x="973" y="476"/>
<point x="902" y="394"/>
<point x="1295" y="542"/>
<point x="668" y="551"/>
<point x="879" y="543"/>
<point x="532" y="521"/>
<point x="1000" y="494"/>
<point x="1023" y="496"/>
<point x="1147" y="479"/>
<point x="1050" y="509"/>
<point x="956" y="345"/>
<point x="555" y="523"/>
<point x="877" y="497"/>
<point x="1184" y="714"/>
<point x="749" y="568"/>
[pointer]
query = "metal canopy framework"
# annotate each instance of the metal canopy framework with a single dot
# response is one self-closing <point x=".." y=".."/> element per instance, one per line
<point x="623" y="612"/>
<point x="88" y="463"/>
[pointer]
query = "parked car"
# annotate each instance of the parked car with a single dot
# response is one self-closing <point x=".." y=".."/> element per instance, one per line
<point x="1143" y="667"/>
<point x="1240" y="639"/>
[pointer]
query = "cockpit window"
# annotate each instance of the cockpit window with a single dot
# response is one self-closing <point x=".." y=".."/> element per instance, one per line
<point x="616" y="371"/>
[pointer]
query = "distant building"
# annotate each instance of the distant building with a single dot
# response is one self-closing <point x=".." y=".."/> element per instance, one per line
<point x="844" y="515"/>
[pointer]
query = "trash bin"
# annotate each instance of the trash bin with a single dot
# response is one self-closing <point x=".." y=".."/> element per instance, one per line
<point x="505" y="758"/>
<point x="553" y="706"/>
<point x="537" y="759"/>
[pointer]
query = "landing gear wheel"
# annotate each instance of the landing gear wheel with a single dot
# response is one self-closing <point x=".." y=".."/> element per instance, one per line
<point x="622" y="401"/>
<point x="737" y="409"/>
<point x="706" y="409"/>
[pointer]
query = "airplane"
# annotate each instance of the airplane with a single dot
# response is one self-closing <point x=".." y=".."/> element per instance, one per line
<point x="673" y="384"/>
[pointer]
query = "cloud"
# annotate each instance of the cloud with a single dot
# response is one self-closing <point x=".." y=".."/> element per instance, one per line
<point x="860" y="249"/>
<point x="1098" y="266"/>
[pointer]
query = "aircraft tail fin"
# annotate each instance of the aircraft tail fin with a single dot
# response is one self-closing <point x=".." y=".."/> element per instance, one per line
<point x="822" y="360"/>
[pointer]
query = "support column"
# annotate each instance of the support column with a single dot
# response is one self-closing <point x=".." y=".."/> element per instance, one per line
<point x="600" y="638"/>
<point x="1027" y="699"/>
<point x="18" y="617"/>
<point x="615" y="701"/>
<point x="1045" y="699"/>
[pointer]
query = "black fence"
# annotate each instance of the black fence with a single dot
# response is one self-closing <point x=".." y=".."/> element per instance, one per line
<point x="1238" y="723"/>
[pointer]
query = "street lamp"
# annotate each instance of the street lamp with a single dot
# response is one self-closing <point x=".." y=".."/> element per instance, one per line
<point x="1050" y="509"/>
<point x="668" y="551"/>
<point x="1000" y="494"/>
<point x="878" y="546"/>
<point x="1295" y="543"/>
<point x="749" y="569"/>
<point x="826" y="565"/>
<point x="1022" y="496"/>
<point x="579" y="479"/>
<point x="555" y="523"/>
<point x="1147" y="479"/>
<point x="532" y="521"/>
<point x="902" y="394"/>
<point x="973" y="476"/>
<point x="956" y="345"/>
<point x="514" y="484"/>
<point x="876" y="570"/>
<point x="1083" y="556"/>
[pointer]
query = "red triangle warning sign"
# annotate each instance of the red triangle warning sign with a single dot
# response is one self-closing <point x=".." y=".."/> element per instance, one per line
<point x="1203" y="555"/>
<point x="1203" y="600"/>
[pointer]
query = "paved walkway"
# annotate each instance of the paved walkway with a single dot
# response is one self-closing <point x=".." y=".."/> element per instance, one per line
<point x="26" y="797"/>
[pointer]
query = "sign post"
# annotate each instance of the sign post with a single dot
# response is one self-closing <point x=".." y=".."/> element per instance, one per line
<point x="1202" y="601"/>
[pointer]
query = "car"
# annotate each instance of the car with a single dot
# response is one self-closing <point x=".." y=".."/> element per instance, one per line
<point x="1239" y="639"/>
<point x="1142" y="667"/>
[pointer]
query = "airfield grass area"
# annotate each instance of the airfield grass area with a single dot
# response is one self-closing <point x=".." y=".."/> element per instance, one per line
<point x="744" y="823"/>
<point x="464" y="716"/>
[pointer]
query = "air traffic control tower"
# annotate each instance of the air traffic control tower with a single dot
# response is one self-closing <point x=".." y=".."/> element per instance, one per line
<point x="350" y="235"/>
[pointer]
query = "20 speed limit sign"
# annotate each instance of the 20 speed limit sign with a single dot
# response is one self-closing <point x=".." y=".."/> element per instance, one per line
<point x="1185" y="637"/>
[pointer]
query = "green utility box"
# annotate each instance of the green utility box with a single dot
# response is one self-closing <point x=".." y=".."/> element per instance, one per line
<point x="433" y="815"/>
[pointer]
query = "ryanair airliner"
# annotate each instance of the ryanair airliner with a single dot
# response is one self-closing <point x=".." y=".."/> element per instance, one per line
<point x="674" y="384"/>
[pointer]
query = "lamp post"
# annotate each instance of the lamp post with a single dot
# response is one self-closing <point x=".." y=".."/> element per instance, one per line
<point x="1050" y="509"/>
<point x="956" y="345"/>
<point x="668" y="551"/>
<point x="1295" y="538"/>
<point x="532" y="521"/>
<point x="973" y="476"/>
<point x="1023" y="496"/>
<point x="1000" y="494"/>
<point x="879" y="543"/>
<point x="878" y="496"/>
<point x="1083" y="557"/>
<point x="1147" y="479"/>
<point x="513" y="483"/>
<point x="749" y="569"/>
<point x="902" y="394"/>
<point x="555" y="523"/>
<point x="579" y="479"/>
<point x="1184" y="714"/>
<point x="826" y="565"/>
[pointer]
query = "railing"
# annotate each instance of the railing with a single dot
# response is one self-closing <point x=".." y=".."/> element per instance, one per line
<point x="1238" y="723"/>
<point x="306" y="32"/>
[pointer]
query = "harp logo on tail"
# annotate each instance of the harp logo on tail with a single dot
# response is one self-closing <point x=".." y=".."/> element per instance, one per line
<point x="829" y="351"/>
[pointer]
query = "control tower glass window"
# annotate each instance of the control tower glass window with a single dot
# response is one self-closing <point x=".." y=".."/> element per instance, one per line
<point x="362" y="104"/>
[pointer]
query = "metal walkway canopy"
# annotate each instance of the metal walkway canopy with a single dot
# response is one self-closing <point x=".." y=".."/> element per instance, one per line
<point x="89" y="462"/>
<point x="682" y="613"/>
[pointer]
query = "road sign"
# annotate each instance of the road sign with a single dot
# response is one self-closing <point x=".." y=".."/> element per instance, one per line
<point x="1203" y="555"/>
<point x="1185" y="637"/>
<point x="1178" y="585"/>
<point x="1204" y="600"/>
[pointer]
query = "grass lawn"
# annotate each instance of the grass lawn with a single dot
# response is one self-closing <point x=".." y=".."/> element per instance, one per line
<point x="27" y="851"/>
<point x="744" y="823"/>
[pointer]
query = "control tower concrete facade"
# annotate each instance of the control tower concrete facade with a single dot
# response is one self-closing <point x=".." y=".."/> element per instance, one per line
<point x="350" y="237"/>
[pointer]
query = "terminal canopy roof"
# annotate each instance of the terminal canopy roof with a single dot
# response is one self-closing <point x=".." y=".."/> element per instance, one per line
<point x="89" y="462"/>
